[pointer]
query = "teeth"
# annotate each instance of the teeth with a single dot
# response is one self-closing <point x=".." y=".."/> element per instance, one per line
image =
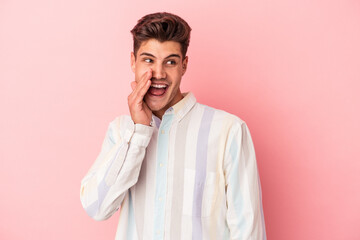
<point x="158" y="85"/>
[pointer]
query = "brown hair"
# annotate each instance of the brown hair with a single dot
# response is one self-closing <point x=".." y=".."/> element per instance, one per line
<point x="162" y="26"/>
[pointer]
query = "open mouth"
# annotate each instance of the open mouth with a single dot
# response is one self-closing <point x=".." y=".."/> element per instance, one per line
<point x="157" y="89"/>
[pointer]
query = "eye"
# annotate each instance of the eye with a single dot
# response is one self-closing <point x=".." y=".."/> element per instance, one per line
<point x="171" y="62"/>
<point x="148" y="60"/>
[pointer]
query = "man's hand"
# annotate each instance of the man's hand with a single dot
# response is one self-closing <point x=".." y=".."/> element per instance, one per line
<point x="139" y="110"/>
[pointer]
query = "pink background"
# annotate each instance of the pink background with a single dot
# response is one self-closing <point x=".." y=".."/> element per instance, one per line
<point x="290" y="69"/>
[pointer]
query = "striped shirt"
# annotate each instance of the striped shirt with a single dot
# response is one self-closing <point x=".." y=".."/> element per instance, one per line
<point x="191" y="175"/>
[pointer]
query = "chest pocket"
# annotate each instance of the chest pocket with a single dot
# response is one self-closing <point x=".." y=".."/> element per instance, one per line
<point x="199" y="194"/>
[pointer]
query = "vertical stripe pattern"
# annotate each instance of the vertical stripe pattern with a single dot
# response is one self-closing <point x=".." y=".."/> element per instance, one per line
<point x="161" y="177"/>
<point x="178" y="181"/>
<point x="201" y="160"/>
<point x="190" y="175"/>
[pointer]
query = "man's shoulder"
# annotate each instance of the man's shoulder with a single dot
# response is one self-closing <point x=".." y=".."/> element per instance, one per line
<point x="221" y="115"/>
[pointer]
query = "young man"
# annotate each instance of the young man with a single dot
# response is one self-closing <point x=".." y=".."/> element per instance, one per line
<point x="175" y="168"/>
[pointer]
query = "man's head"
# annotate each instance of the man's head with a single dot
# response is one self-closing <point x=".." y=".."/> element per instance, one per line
<point x="161" y="41"/>
<point x="162" y="26"/>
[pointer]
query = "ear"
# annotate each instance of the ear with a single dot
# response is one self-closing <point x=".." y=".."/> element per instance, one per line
<point x="184" y="65"/>
<point x="133" y="62"/>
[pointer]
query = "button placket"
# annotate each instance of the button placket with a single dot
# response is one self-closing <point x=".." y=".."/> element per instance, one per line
<point x="161" y="175"/>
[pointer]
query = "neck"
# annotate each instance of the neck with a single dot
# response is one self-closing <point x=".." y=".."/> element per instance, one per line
<point x="175" y="100"/>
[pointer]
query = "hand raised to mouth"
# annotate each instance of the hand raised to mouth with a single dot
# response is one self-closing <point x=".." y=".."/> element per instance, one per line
<point x="139" y="110"/>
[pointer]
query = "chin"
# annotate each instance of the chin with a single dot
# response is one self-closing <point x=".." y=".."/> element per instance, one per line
<point x="154" y="107"/>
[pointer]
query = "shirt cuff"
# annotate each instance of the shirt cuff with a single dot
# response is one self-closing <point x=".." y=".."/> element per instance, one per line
<point x="141" y="135"/>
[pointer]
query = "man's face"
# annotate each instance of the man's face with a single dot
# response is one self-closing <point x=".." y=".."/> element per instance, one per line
<point x="167" y="65"/>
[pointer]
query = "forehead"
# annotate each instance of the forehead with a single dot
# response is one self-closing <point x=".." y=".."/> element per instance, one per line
<point x="159" y="49"/>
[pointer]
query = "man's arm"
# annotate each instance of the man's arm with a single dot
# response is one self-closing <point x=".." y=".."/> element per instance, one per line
<point x="243" y="190"/>
<point x="116" y="168"/>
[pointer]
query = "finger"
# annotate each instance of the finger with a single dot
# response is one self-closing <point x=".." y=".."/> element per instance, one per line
<point x="138" y="93"/>
<point x="133" y="85"/>
<point x="142" y="91"/>
<point x="146" y="76"/>
<point x="143" y="83"/>
<point x="137" y="96"/>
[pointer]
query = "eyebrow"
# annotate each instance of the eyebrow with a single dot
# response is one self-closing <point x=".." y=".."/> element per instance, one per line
<point x="150" y="55"/>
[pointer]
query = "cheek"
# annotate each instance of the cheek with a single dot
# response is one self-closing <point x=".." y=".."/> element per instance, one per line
<point x="176" y="74"/>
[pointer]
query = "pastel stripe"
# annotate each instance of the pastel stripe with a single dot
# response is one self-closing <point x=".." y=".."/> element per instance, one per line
<point x="130" y="228"/>
<point x="178" y="186"/>
<point x="139" y="199"/>
<point x="102" y="189"/>
<point x="190" y="175"/>
<point x="161" y="176"/>
<point x="200" y="174"/>
<point x="218" y="140"/>
<point x="237" y="198"/>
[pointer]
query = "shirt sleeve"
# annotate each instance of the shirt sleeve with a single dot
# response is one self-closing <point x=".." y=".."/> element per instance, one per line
<point x="116" y="169"/>
<point x="244" y="216"/>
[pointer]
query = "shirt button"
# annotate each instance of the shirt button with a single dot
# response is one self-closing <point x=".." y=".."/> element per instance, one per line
<point x="162" y="131"/>
<point x="160" y="199"/>
<point x="158" y="232"/>
<point x="161" y="164"/>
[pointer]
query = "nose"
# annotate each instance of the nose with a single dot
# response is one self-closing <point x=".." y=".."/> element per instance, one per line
<point x="159" y="71"/>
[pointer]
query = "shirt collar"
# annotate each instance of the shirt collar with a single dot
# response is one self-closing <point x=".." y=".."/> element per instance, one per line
<point x="180" y="109"/>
